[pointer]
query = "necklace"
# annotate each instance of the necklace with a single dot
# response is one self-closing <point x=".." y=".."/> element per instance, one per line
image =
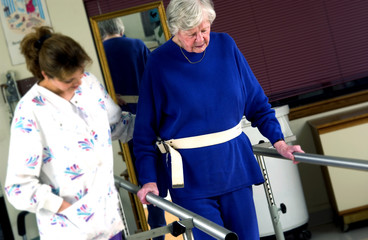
<point x="200" y="60"/>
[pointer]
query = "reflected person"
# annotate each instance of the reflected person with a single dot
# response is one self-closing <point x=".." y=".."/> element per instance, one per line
<point x="126" y="58"/>
<point x="195" y="90"/>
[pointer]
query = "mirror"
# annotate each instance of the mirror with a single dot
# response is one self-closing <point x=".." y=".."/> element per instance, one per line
<point x="148" y="23"/>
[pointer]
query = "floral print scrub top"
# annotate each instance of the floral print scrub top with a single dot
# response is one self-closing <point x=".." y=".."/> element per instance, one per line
<point x="61" y="150"/>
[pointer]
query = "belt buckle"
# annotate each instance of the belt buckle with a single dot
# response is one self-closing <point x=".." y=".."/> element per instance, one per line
<point x="162" y="146"/>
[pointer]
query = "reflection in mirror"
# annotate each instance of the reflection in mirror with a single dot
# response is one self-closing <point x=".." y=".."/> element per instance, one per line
<point x="126" y="58"/>
<point x="140" y="22"/>
<point x="146" y="24"/>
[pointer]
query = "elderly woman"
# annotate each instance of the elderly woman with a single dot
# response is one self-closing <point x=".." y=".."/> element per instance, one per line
<point x="195" y="90"/>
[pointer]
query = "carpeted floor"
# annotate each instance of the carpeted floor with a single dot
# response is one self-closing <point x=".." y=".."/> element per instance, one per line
<point x="169" y="219"/>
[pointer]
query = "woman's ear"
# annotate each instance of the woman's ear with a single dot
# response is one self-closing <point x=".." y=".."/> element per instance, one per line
<point x="45" y="76"/>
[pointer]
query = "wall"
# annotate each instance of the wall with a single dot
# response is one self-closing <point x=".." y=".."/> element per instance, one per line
<point x="69" y="18"/>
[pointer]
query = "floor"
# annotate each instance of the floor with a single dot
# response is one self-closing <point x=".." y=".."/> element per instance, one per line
<point x="357" y="231"/>
<point x="169" y="219"/>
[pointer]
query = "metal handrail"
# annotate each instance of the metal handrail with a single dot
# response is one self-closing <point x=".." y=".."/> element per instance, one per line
<point x="199" y="222"/>
<point x="317" y="159"/>
<point x="220" y="232"/>
<point x="261" y="152"/>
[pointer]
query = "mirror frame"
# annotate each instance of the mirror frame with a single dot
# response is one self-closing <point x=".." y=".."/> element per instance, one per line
<point x="141" y="221"/>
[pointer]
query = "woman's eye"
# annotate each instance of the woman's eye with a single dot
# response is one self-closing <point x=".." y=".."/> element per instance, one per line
<point x="70" y="81"/>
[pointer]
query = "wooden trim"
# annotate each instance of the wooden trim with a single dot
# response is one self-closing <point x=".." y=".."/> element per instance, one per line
<point x="340" y="121"/>
<point x="353" y="210"/>
<point x="355" y="216"/>
<point x="343" y="125"/>
<point x="133" y="179"/>
<point x="328" y="105"/>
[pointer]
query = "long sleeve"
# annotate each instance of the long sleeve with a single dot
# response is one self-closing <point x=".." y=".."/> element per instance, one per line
<point x="26" y="156"/>
<point x="144" y="133"/>
<point x="124" y="128"/>
<point x="121" y="122"/>
<point x="259" y="111"/>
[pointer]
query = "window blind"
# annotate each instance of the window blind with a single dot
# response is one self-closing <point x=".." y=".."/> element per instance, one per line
<point x="293" y="47"/>
<point x="98" y="7"/>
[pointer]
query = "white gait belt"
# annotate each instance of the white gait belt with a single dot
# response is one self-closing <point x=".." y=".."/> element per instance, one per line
<point x="205" y="140"/>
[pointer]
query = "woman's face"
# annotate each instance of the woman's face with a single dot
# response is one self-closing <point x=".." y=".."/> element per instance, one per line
<point x="195" y="39"/>
<point x="64" y="87"/>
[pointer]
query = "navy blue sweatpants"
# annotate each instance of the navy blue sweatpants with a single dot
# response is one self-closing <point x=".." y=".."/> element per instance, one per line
<point x="234" y="211"/>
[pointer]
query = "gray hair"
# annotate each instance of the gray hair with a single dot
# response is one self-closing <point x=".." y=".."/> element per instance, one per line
<point x="111" y="27"/>
<point x="187" y="14"/>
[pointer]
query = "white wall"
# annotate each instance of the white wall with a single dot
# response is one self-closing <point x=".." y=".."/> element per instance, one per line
<point x="69" y="18"/>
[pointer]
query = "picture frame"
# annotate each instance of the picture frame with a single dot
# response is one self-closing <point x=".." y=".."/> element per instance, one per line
<point x="18" y="18"/>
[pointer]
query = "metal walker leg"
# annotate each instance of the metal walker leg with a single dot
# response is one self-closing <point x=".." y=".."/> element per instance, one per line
<point x="274" y="211"/>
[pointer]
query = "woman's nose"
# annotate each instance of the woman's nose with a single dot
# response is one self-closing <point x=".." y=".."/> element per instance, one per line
<point x="199" y="37"/>
<point x="78" y="81"/>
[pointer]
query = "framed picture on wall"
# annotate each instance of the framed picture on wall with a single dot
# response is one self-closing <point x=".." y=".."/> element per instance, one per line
<point x="18" y="17"/>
